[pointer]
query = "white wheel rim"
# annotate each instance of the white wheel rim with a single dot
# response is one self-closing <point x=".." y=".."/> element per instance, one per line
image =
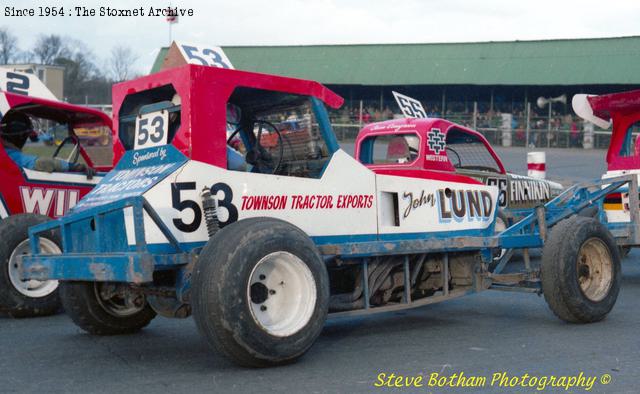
<point x="595" y="269"/>
<point x="32" y="288"/>
<point x="281" y="294"/>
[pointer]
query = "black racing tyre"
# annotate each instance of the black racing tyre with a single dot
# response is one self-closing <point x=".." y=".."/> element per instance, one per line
<point x="25" y="298"/>
<point x="244" y="283"/>
<point x="105" y="308"/>
<point x="580" y="270"/>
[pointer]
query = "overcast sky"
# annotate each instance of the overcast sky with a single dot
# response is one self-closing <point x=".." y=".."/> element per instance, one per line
<point x="276" y="22"/>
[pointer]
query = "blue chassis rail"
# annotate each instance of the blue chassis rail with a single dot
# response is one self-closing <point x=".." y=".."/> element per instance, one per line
<point x="135" y="266"/>
<point x="138" y="265"/>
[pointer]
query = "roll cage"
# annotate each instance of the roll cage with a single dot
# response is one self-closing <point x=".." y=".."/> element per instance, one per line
<point x="71" y="115"/>
<point x="199" y="96"/>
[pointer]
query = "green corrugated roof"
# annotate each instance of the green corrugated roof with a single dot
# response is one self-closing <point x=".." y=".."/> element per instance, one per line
<point x="547" y="62"/>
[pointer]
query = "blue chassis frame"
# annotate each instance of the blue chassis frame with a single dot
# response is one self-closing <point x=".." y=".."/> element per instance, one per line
<point x="138" y="265"/>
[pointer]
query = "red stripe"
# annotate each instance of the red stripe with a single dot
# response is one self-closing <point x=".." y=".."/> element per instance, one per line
<point x="536" y="166"/>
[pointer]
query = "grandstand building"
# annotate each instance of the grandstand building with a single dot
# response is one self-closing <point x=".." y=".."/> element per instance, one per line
<point x="472" y="83"/>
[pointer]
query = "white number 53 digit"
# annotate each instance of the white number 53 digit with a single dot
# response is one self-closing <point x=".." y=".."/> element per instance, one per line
<point x="205" y="56"/>
<point x="151" y="129"/>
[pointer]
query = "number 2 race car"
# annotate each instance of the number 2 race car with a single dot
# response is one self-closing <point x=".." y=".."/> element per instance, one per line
<point x="260" y="242"/>
<point x="29" y="196"/>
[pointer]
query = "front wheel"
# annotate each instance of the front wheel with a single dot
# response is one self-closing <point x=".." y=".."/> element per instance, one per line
<point x="25" y="298"/>
<point x="105" y="308"/>
<point x="260" y="292"/>
<point x="581" y="270"/>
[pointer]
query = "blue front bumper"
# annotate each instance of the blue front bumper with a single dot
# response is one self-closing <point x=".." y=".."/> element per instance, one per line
<point x="95" y="247"/>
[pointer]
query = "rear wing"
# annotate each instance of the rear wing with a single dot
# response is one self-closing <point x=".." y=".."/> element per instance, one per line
<point x="23" y="83"/>
<point x="582" y="108"/>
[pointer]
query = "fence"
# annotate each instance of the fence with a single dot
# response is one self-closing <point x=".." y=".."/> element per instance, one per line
<point x="537" y="131"/>
<point x="525" y="128"/>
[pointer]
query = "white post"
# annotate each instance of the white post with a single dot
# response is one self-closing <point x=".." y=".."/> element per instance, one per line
<point x="587" y="137"/>
<point x="475" y="115"/>
<point x="536" y="166"/>
<point x="528" y="125"/>
<point x="505" y="126"/>
<point x="549" y="127"/>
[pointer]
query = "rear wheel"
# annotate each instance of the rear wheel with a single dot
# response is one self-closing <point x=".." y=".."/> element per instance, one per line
<point x="260" y="292"/>
<point x="580" y="270"/>
<point x="105" y="308"/>
<point x="25" y="298"/>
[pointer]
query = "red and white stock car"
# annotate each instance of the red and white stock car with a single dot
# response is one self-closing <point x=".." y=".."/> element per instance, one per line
<point x="262" y="239"/>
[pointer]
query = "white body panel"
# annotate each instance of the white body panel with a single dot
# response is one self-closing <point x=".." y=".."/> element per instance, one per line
<point x="343" y="203"/>
<point x="424" y="206"/>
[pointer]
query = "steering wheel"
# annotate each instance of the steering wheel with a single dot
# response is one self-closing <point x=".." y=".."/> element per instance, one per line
<point x="258" y="156"/>
<point x="459" y="164"/>
<point x="75" y="153"/>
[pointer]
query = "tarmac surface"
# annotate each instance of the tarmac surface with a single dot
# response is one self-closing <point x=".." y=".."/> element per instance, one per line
<point x="479" y="335"/>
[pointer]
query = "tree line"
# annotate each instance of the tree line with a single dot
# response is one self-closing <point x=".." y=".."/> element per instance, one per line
<point x="85" y="81"/>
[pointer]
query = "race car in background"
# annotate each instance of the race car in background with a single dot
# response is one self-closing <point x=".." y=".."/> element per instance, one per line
<point x="29" y="197"/>
<point x="414" y="145"/>
<point x="622" y="111"/>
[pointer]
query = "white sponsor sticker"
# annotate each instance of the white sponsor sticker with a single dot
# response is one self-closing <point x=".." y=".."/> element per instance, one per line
<point x="204" y="55"/>
<point x="152" y="129"/>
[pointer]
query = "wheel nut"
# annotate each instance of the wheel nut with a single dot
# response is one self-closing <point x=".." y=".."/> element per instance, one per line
<point x="272" y="292"/>
<point x="262" y="277"/>
<point x="263" y="308"/>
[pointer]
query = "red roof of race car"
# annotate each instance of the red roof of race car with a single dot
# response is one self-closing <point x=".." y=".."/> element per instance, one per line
<point x="624" y="110"/>
<point x="204" y="92"/>
<point x="426" y="129"/>
<point x="42" y="107"/>
<point x="607" y="105"/>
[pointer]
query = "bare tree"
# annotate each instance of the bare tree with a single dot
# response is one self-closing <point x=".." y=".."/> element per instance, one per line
<point x="121" y="62"/>
<point x="23" y="57"/>
<point x="8" y="46"/>
<point x="49" y="48"/>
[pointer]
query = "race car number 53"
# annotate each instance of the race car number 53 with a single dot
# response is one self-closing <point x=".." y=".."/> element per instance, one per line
<point x="221" y="191"/>
<point x="205" y="56"/>
<point x="152" y="129"/>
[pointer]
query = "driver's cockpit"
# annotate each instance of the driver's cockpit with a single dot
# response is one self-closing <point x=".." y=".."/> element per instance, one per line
<point x="230" y="119"/>
<point x="46" y="138"/>
<point x="467" y="151"/>
<point x="275" y="133"/>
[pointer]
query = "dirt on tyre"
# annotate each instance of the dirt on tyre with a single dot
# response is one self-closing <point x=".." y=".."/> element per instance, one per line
<point x="30" y="298"/>
<point x="580" y="270"/>
<point x="105" y="308"/>
<point x="260" y="292"/>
